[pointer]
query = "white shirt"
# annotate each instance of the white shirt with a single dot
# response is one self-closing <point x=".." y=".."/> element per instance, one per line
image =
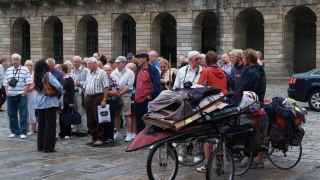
<point x="21" y="74"/>
<point x="185" y="74"/>
<point x="96" y="82"/>
<point x="124" y="78"/>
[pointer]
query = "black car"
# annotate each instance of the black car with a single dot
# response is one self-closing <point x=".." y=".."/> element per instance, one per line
<point x="305" y="87"/>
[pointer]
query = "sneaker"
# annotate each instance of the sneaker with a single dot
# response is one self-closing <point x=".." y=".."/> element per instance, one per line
<point x="133" y="136"/>
<point x="11" y="136"/>
<point x="23" y="136"/>
<point x="97" y="143"/>
<point x="202" y="169"/>
<point x="30" y="133"/>
<point x="128" y="138"/>
<point x="196" y="159"/>
<point x="116" y="136"/>
<point x="180" y="158"/>
<point x="67" y="137"/>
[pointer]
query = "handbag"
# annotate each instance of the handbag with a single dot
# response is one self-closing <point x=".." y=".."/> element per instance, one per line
<point x="71" y="117"/>
<point x="48" y="89"/>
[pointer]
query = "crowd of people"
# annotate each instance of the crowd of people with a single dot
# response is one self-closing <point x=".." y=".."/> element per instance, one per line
<point x="39" y="92"/>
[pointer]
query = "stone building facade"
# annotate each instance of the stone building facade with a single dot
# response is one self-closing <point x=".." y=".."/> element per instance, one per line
<point x="286" y="31"/>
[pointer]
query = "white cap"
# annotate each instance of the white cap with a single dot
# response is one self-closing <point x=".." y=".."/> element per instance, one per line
<point x="92" y="60"/>
<point x="192" y="54"/>
<point x="121" y="59"/>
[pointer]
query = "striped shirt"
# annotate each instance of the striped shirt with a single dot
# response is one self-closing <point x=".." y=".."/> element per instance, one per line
<point x="21" y="74"/>
<point x="80" y="75"/>
<point x="96" y="82"/>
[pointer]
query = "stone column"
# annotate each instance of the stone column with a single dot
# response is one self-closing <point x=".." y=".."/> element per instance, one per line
<point x="273" y="44"/>
<point x="226" y="29"/>
<point x="5" y="39"/>
<point x="184" y="32"/>
<point x="143" y="31"/>
<point x="69" y="35"/>
<point x="36" y="31"/>
<point x="104" y="33"/>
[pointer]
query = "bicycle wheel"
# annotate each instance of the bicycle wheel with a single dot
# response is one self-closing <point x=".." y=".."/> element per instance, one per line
<point x="162" y="162"/>
<point x="242" y="158"/>
<point x="189" y="154"/>
<point x="220" y="166"/>
<point x="286" y="157"/>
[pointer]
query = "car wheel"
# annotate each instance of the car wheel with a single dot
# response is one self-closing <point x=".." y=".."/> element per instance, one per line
<point x="314" y="100"/>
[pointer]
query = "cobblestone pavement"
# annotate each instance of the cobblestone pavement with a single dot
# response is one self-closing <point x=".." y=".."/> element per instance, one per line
<point x="74" y="160"/>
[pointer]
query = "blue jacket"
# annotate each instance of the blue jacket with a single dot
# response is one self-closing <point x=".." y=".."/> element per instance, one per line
<point x="155" y="79"/>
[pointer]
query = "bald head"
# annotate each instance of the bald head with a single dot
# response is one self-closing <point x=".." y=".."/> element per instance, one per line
<point x="76" y="61"/>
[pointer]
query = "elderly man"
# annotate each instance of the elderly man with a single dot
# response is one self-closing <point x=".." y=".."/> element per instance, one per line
<point x="189" y="74"/>
<point x="79" y="75"/>
<point x="52" y="65"/>
<point x="96" y="91"/>
<point x="17" y="82"/>
<point x="154" y="59"/>
<point x="237" y="69"/>
<point x="125" y="79"/>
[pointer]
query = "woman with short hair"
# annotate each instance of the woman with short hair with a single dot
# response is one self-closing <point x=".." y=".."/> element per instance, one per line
<point x="32" y="122"/>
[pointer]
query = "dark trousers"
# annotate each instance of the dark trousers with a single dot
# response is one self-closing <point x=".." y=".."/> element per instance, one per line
<point x="140" y="109"/>
<point x="109" y="127"/>
<point x="65" y="127"/>
<point x="95" y="129"/>
<point x="46" y="129"/>
<point x="3" y="96"/>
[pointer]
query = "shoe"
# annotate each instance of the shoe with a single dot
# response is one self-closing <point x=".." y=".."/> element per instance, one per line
<point x="30" y="133"/>
<point x="116" y="135"/>
<point x="11" y="136"/>
<point x="97" y="143"/>
<point x="67" y="137"/>
<point x="196" y="159"/>
<point x="202" y="169"/>
<point x="180" y="158"/>
<point x="89" y="143"/>
<point x="133" y="136"/>
<point x="23" y="136"/>
<point x="257" y="165"/>
<point x="128" y="138"/>
<point x="244" y="162"/>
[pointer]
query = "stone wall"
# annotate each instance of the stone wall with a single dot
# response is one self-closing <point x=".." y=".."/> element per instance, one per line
<point x="278" y="47"/>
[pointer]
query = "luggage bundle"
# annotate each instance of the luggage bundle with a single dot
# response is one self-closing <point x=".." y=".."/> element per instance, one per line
<point x="176" y="109"/>
<point x="286" y="118"/>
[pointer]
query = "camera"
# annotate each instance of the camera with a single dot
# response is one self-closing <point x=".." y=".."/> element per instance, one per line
<point x="187" y="85"/>
<point x="13" y="82"/>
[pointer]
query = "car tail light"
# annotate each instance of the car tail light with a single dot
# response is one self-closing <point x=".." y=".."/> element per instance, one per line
<point x="292" y="81"/>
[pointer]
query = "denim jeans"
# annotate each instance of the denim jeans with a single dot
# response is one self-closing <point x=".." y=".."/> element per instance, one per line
<point x="17" y="105"/>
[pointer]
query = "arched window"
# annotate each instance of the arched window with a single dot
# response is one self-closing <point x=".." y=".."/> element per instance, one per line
<point x="87" y="36"/>
<point x="21" y="38"/>
<point x="53" y="39"/>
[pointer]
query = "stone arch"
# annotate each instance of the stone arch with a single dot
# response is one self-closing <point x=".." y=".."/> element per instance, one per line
<point x="205" y="32"/>
<point x="87" y="36"/>
<point x="249" y="30"/>
<point x="300" y="34"/>
<point x="20" y="38"/>
<point x="124" y="35"/>
<point x="52" y="41"/>
<point x="164" y="36"/>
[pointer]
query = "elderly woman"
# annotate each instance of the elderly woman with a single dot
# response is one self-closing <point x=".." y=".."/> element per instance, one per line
<point x="32" y="122"/>
<point x="167" y="75"/>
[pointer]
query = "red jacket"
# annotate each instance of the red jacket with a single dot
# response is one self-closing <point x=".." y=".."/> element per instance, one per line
<point x="214" y="76"/>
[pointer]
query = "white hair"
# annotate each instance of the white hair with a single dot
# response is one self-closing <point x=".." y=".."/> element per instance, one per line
<point x="192" y="54"/>
<point x="16" y="56"/>
<point x="236" y="52"/>
<point x="51" y="60"/>
<point x="92" y="60"/>
<point x="76" y="58"/>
